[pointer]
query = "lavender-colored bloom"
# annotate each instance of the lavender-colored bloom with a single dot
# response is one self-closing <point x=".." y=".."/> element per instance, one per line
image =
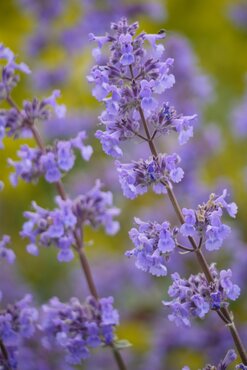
<point x="95" y="208"/>
<point x="28" y="167"/>
<point x="58" y="227"/>
<point x="154" y="244"/>
<point x="9" y="78"/>
<point x="14" y="122"/>
<point x="228" y="359"/>
<point x="205" y="222"/>
<point x="135" y="177"/>
<point x="17" y="321"/>
<point x="75" y="327"/>
<point x="34" y="163"/>
<point x="130" y="85"/>
<point x="195" y="297"/>
<point x="232" y="290"/>
<point x="6" y="253"/>
<point x="59" y="109"/>
<point x="223" y="365"/>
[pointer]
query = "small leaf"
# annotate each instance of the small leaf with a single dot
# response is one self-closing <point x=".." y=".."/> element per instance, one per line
<point x="122" y="343"/>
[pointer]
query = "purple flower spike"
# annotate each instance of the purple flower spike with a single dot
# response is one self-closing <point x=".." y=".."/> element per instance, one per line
<point x="58" y="227"/>
<point x="132" y="81"/>
<point x="52" y="164"/>
<point x="195" y="297"/>
<point x="76" y="327"/>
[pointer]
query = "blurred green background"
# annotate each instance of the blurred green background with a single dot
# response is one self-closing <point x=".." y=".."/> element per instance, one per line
<point x="221" y="49"/>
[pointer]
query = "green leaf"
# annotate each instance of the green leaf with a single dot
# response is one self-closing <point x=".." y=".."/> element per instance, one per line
<point x="122" y="343"/>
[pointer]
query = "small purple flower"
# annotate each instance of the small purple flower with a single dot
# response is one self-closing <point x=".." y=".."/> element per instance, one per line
<point x="50" y="167"/>
<point x="232" y="290"/>
<point x="18" y="321"/>
<point x="9" y="77"/>
<point x="127" y="57"/>
<point x="154" y="243"/>
<point x="188" y="228"/>
<point x="6" y="253"/>
<point x="59" y="109"/>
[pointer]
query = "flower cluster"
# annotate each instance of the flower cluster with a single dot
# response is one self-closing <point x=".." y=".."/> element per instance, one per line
<point x="195" y="297"/>
<point x="135" y="177"/>
<point x="8" y="77"/>
<point x="15" y="122"/>
<point x="223" y="365"/>
<point x="76" y="328"/>
<point x="59" y="226"/>
<point x="205" y="222"/>
<point x="6" y="253"/>
<point x="17" y="321"/>
<point x="52" y="163"/>
<point x="130" y="85"/>
<point x="154" y="244"/>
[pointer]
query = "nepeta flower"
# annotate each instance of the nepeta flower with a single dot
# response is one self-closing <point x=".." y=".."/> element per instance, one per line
<point x="52" y="164"/>
<point x="9" y="79"/>
<point x="76" y="328"/>
<point x="18" y="321"/>
<point x="195" y="297"/>
<point x="135" y="177"/>
<point x="154" y="243"/>
<point x="95" y="208"/>
<point x="6" y="253"/>
<point x="205" y="222"/>
<point x="15" y="122"/>
<point x="47" y="228"/>
<point x="130" y="85"/>
<point x="58" y="227"/>
<point x="168" y="120"/>
<point x="223" y="365"/>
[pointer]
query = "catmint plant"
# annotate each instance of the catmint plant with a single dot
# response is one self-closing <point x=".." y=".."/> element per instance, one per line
<point x="72" y="327"/>
<point x="132" y="86"/>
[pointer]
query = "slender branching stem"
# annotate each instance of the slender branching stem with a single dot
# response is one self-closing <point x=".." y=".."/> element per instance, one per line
<point x="78" y="241"/>
<point x="184" y="248"/>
